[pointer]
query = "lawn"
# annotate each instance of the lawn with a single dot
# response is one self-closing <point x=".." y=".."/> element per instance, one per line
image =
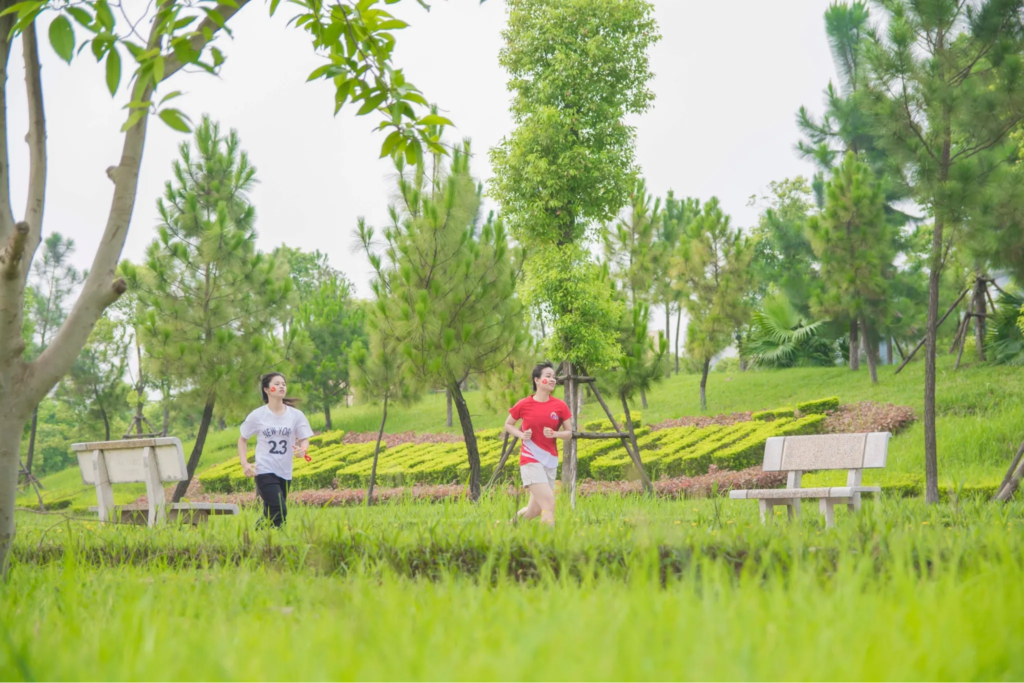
<point x="622" y="589"/>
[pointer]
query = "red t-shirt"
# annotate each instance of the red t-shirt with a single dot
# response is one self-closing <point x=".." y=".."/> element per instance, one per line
<point x="536" y="416"/>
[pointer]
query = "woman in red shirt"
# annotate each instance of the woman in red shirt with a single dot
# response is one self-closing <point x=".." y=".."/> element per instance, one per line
<point x="545" y="418"/>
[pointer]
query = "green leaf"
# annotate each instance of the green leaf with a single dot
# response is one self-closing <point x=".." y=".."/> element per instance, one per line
<point x="371" y="104"/>
<point x="105" y="16"/>
<point x="435" y="120"/>
<point x="113" y="70"/>
<point x="170" y="96"/>
<point x="134" y="118"/>
<point x="390" y="143"/>
<point x="81" y="16"/>
<point x="391" y="25"/>
<point x="182" y="23"/>
<point x="22" y="8"/>
<point x="318" y="72"/>
<point x="136" y="50"/>
<point x="158" y="70"/>
<point x="273" y="6"/>
<point x="62" y="38"/>
<point x="176" y="120"/>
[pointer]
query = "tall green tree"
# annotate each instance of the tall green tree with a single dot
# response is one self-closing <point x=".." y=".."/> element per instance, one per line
<point x="211" y="296"/>
<point x="852" y="241"/>
<point x="95" y="386"/>
<point x="712" y="270"/>
<point x="577" y="68"/>
<point x="54" y="279"/>
<point x="629" y="245"/>
<point x="381" y="374"/>
<point x="355" y="39"/>
<point x="675" y="218"/>
<point x="445" y="284"/>
<point x="946" y="85"/>
<point x="333" y="321"/>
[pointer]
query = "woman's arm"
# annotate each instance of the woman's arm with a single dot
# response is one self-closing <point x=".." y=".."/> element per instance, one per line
<point x="243" y="451"/>
<point x="301" y="446"/>
<point x="564" y="433"/>
<point x="510" y="427"/>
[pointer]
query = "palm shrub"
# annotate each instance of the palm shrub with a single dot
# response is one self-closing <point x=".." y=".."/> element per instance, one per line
<point x="781" y="338"/>
<point x="1005" y="339"/>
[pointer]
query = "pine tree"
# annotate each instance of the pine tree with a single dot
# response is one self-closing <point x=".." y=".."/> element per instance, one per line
<point x="712" y="269"/>
<point x="445" y="284"/>
<point x="214" y="302"/>
<point x="95" y="387"/>
<point x="945" y="89"/>
<point x="853" y="243"/>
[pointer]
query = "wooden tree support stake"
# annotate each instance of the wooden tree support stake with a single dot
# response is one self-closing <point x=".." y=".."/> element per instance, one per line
<point x="1013" y="476"/>
<point x="921" y="343"/>
<point x="506" y="450"/>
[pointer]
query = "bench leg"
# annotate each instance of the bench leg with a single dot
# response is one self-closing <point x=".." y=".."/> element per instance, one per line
<point x="827" y="509"/>
<point x="796" y="507"/>
<point x="790" y="510"/>
<point x="854" y="504"/>
<point x="765" y="509"/>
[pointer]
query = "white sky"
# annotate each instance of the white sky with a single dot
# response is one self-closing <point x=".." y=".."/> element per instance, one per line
<point x="730" y="75"/>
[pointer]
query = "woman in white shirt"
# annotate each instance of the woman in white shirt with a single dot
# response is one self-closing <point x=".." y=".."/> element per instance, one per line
<point x="282" y="433"/>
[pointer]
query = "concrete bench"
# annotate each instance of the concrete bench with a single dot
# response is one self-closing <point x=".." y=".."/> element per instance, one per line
<point x="149" y="461"/>
<point x="799" y="454"/>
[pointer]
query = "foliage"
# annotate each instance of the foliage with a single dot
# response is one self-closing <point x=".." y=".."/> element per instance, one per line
<point x="1005" y="334"/>
<point x="212" y="301"/>
<point x="769" y="415"/>
<point x="577" y="68"/>
<point x="445" y="285"/>
<point x="712" y="270"/>
<point x="630" y="247"/>
<point x="333" y="321"/>
<point x="853" y="242"/>
<point x="781" y="338"/>
<point x="95" y="387"/>
<point x="783" y="257"/>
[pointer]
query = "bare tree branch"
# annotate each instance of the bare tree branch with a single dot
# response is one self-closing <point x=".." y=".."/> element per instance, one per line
<point x="6" y="214"/>
<point x="36" y="138"/>
<point x="171" y="62"/>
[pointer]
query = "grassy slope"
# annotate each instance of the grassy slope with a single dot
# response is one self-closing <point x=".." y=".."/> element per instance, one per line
<point x="980" y="409"/>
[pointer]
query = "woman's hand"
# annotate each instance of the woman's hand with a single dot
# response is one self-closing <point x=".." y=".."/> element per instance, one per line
<point x="249" y="469"/>
<point x="527" y="434"/>
<point x="550" y="433"/>
<point x="300" y="451"/>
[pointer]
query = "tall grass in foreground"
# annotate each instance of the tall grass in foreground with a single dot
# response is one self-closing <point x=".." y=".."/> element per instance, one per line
<point x="622" y="589"/>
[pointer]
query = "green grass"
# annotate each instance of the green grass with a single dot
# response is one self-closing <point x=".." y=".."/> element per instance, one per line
<point x="979" y="418"/>
<point x="622" y="589"/>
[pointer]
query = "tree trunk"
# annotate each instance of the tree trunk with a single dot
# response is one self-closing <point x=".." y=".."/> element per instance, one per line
<point x="9" y="466"/>
<point x="569" y="454"/>
<point x="931" y="460"/>
<point x="221" y="424"/>
<point x="376" y="454"/>
<point x="704" y="384"/>
<point x="327" y="413"/>
<point x="854" y="346"/>
<point x="139" y="417"/>
<point x="869" y="350"/>
<point x="167" y="421"/>
<point x="679" y="320"/>
<point x="980" y="306"/>
<point x="448" y="400"/>
<point x="466" y="421"/>
<point x="197" y="451"/>
<point x="31" y="440"/>
<point x="888" y="350"/>
<point x="106" y="423"/>
<point x="643" y="399"/>
<point x="668" y="329"/>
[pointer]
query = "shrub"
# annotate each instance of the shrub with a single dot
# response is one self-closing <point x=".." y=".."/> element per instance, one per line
<point x="769" y="415"/>
<point x="822" y="405"/>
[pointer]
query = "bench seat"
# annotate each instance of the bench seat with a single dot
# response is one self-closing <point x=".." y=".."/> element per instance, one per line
<point x="194" y="513"/>
<point x="821" y="492"/>
<point x="798" y="454"/>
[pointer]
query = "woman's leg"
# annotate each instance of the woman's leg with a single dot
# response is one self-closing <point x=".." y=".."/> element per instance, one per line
<point x="532" y="509"/>
<point x="544" y="497"/>
<point x="272" y="489"/>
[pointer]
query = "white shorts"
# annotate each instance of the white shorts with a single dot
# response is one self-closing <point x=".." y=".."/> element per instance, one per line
<point x="535" y="473"/>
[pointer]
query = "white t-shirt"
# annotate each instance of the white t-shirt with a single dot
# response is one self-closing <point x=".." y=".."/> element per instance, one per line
<point x="277" y="435"/>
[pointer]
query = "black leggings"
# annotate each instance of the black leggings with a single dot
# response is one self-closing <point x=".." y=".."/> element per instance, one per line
<point x="274" y="492"/>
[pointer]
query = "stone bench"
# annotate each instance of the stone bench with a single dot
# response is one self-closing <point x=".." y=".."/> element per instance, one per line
<point x="799" y="454"/>
<point x="133" y="461"/>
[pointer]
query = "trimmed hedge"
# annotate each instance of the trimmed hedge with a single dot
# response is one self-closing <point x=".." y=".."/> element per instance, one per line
<point x="822" y="405"/>
<point x="769" y="415"/>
